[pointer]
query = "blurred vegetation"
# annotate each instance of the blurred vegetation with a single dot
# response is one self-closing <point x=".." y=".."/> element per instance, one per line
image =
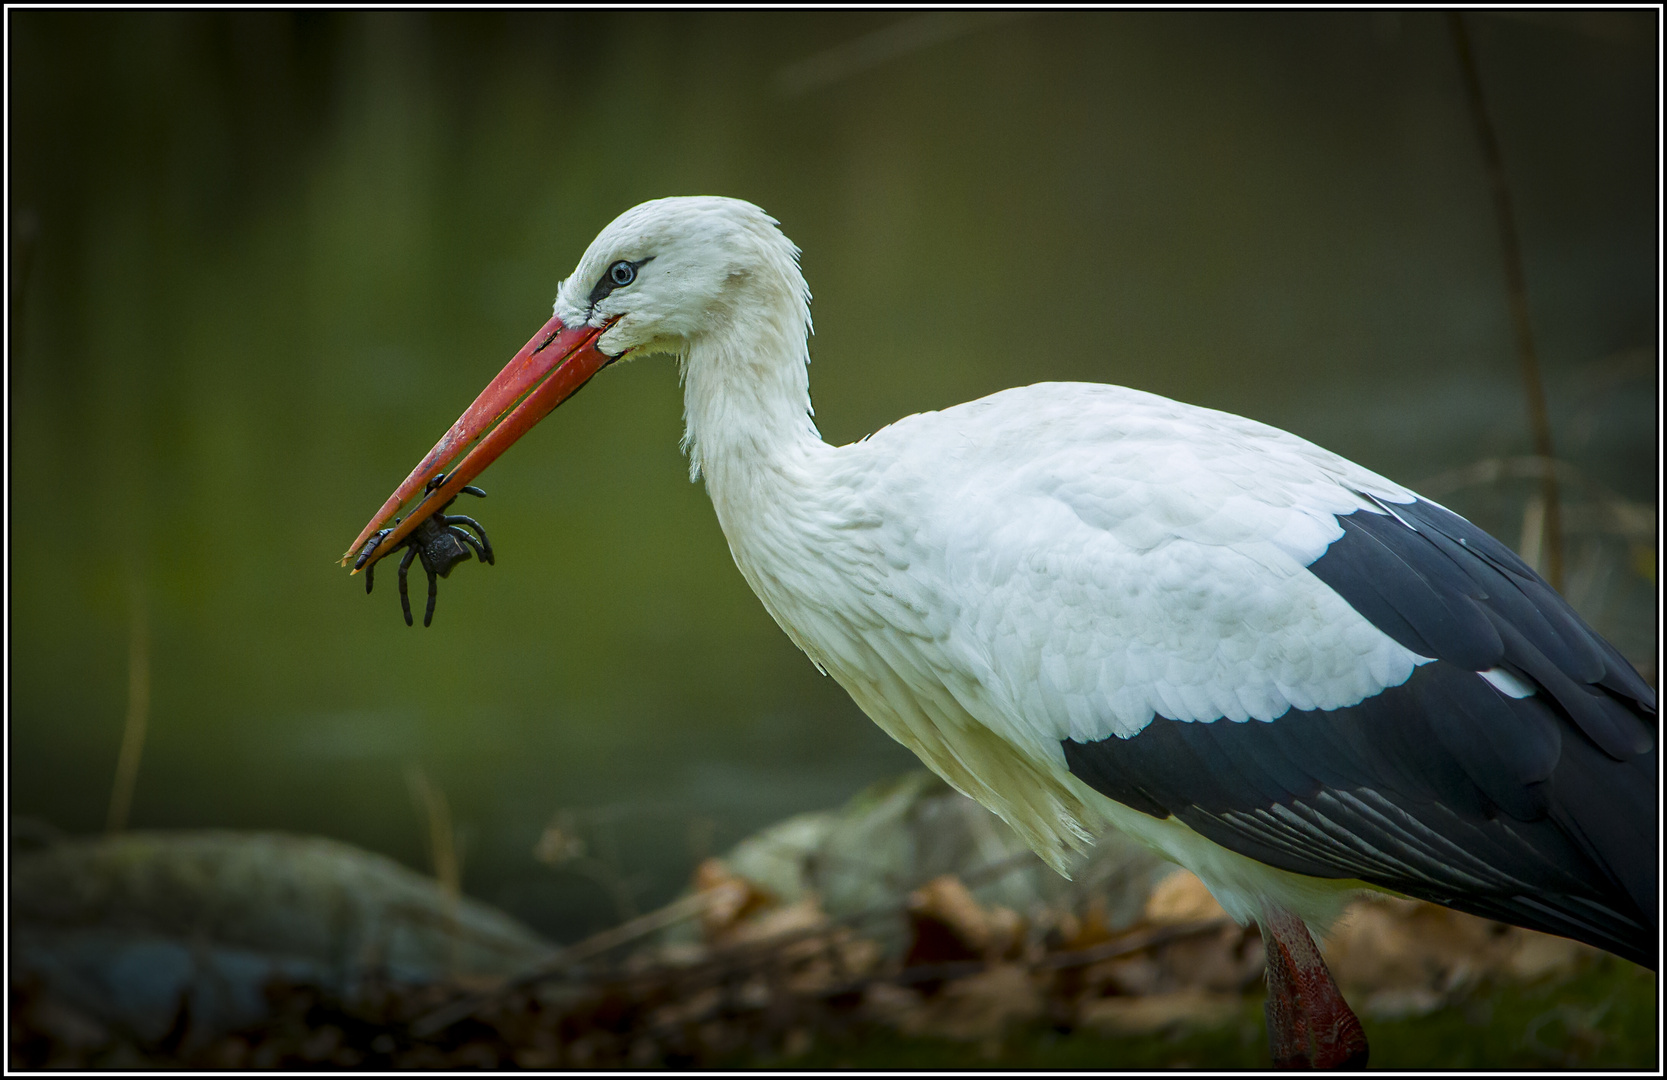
<point x="1499" y="1026"/>
<point x="259" y="261"/>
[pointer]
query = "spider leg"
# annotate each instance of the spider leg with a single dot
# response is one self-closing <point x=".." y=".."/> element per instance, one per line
<point x="404" y="595"/>
<point x="467" y="539"/>
<point x="433" y="591"/>
<point x="465" y="519"/>
<point x="439" y="479"/>
<point x="371" y="546"/>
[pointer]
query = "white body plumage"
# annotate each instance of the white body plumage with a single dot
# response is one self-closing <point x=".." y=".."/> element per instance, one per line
<point x="975" y="577"/>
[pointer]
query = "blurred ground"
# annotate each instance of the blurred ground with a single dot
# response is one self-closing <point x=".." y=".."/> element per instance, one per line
<point x="357" y="962"/>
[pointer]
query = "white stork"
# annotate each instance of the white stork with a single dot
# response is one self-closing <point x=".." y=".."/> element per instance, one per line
<point x="1084" y="605"/>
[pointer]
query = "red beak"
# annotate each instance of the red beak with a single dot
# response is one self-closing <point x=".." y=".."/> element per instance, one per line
<point x="548" y="370"/>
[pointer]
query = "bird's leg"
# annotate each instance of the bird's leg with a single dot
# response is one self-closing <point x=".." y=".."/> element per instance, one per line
<point x="370" y="574"/>
<point x="1287" y="1026"/>
<point x="433" y="591"/>
<point x="1310" y="1026"/>
<point x="404" y="594"/>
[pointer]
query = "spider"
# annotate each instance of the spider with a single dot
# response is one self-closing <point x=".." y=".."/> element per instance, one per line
<point x="439" y="542"/>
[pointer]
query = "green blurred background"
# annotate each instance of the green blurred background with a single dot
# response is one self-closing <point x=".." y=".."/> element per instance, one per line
<point x="259" y="261"/>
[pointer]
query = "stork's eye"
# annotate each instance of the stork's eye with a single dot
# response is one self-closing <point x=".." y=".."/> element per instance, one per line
<point x="617" y="276"/>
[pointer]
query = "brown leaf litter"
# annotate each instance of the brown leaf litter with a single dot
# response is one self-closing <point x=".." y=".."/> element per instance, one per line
<point x="769" y="980"/>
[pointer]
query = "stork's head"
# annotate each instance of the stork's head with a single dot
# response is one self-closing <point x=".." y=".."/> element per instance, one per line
<point x="669" y="272"/>
<point x="661" y="278"/>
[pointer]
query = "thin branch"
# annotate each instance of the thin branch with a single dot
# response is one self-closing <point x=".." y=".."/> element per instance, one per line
<point x="1516" y="285"/>
<point x="677" y="911"/>
<point x="908" y="35"/>
<point x="727" y="960"/>
<point x="1139" y="941"/>
<point x="1605" y="513"/>
<point x="138" y="715"/>
<point x="443" y="848"/>
<point x="688" y="907"/>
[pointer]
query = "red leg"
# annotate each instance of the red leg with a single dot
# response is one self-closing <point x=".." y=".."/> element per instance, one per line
<point x="1309" y="1023"/>
<point x="1287" y="1027"/>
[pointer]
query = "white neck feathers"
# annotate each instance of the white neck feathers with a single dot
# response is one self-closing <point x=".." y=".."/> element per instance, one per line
<point x="746" y="395"/>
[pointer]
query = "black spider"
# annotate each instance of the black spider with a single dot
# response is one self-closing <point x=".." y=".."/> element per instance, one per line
<point x="440" y="544"/>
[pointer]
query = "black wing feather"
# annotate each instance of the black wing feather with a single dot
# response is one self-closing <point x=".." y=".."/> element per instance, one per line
<point x="1539" y="811"/>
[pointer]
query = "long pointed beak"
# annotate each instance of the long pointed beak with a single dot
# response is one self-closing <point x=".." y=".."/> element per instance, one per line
<point x="548" y="370"/>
